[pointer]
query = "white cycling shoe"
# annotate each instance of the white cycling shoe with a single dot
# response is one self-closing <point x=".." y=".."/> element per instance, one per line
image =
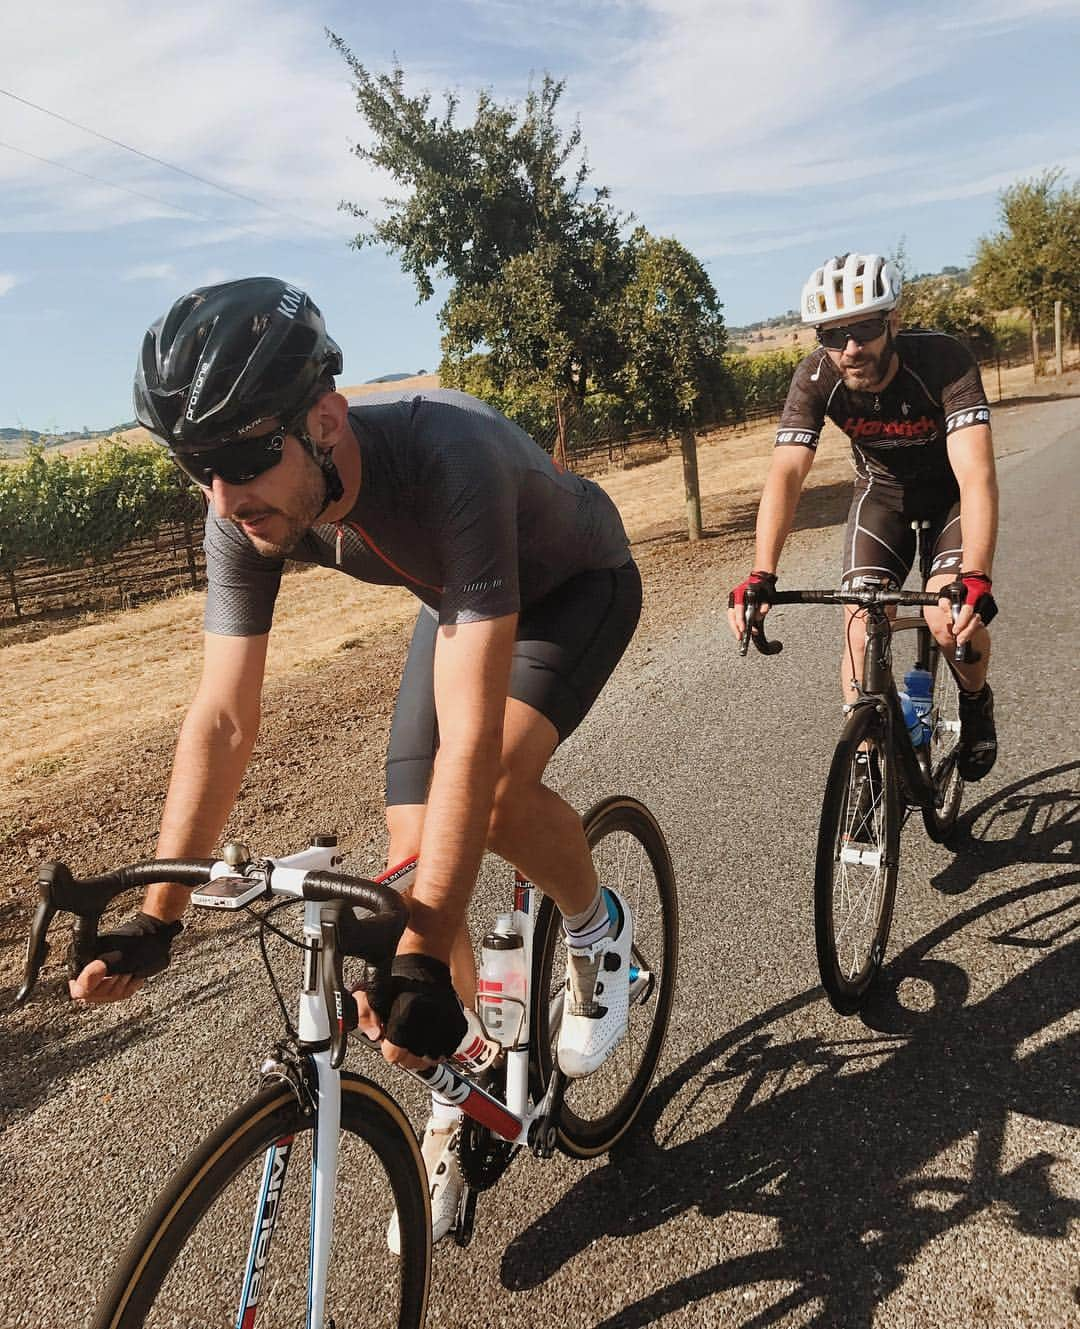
<point x="597" y="998"/>
<point x="439" y="1150"/>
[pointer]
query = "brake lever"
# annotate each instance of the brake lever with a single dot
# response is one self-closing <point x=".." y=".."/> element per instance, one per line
<point x="341" y="1009"/>
<point x="56" y="890"/>
<point x="754" y="630"/>
<point x="962" y="654"/>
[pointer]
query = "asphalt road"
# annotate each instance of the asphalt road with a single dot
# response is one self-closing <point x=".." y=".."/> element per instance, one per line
<point x="920" y="1166"/>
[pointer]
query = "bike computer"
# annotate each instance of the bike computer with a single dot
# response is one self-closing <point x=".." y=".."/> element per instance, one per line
<point x="228" y="892"/>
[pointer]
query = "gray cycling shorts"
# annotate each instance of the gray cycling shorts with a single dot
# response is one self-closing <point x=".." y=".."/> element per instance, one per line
<point x="567" y="645"/>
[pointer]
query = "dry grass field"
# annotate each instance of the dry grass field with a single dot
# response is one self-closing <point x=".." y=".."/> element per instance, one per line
<point x="72" y="701"/>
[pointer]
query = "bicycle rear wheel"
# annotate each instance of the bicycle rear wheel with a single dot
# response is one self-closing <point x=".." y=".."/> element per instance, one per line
<point x="858" y="854"/>
<point x="630" y="855"/>
<point x="942" y="751"/>
<point x="186" y="1265"/>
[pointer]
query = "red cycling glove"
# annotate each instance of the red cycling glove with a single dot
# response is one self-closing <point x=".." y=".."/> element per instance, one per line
<point x="764" y="583"/>
<point x="976" y="591"/>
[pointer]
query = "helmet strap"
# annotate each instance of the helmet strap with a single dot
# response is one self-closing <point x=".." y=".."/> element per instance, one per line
<point x="324" y="460"/>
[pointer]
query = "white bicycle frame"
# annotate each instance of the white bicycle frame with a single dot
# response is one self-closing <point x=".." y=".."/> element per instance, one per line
<point x="513" y="1120"/>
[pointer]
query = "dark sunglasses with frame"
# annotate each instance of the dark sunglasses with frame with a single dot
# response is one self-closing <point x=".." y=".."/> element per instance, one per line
<point x="236" y="463"/>
<point x="835" y="338"/>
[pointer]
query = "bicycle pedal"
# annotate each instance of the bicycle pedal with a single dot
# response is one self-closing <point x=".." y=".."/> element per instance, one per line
<point x="465" y="1220"/>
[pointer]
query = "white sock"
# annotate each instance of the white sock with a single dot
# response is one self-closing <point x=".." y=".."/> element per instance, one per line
<point x="587" y="928"/>
<point x="443" y="1112"/>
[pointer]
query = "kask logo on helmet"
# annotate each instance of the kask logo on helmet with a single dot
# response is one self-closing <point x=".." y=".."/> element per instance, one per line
<point x="290" y="301"/>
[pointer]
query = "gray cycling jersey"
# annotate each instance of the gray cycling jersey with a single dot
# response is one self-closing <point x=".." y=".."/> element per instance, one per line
<point x="456" y="503"/>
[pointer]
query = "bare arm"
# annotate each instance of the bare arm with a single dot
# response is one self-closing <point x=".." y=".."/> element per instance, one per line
<point x="971" y="456"/>
<point x="788" y="470"/>
<point x="779" y="499"/>
<point x="472" y="672"/>
<point x="212" y="753"/>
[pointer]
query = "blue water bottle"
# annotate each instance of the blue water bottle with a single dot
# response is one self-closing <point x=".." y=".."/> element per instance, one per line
<point x="919" y="685"/>
<point x="912" y="719"/>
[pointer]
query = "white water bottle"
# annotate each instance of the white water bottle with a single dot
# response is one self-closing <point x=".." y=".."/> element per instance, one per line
<point x="500" y="992"/>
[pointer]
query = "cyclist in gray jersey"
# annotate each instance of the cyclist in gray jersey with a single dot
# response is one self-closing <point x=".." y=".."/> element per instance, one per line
<point x="457" y="504"/>
<point x="913" y="405"/>
<point x="529" y="595"/>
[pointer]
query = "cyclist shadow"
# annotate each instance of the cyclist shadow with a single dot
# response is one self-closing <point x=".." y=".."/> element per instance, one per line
<point x="1033" y="820"/>
<point x="835" y="1143"/>
<point x="48" y="1042"/>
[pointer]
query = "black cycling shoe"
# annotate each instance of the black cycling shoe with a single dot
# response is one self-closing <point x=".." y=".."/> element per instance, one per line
<point x="864" y="798"/>
<point x="977" y="749"/>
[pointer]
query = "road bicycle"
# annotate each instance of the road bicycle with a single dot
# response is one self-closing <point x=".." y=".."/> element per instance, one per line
<point x="234" y="1233"/>
<point x="878" y="775"/>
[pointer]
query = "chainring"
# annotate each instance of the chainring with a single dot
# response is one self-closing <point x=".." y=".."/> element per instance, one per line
<point x="482" y="1156"/>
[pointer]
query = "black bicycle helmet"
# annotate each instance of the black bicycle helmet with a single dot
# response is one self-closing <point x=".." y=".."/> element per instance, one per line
<point x="226" y="357"/>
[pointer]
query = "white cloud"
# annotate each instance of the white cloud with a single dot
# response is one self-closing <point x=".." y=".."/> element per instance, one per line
<point x="248" y="94"/>
<point x="150" y="272"/>
<point x="7" y="281"/>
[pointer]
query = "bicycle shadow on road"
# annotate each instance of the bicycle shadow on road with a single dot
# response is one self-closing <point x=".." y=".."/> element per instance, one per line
<point x="836" y="1143"/>
<point x="1036" y="819"/>
<point x="51" y="1040"/>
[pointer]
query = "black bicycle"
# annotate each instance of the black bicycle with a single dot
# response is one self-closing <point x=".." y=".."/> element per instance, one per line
<point x="886" y="764"/>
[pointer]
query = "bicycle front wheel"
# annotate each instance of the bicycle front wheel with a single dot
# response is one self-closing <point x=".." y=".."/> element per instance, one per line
<point x="942" y="752"/>
<point x="188" y="1263"/>
<point x="630" y="855"/>
<point x="858" y="853"/>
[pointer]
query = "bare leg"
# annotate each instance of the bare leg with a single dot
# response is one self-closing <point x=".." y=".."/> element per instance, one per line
<point x="531" y="826"/>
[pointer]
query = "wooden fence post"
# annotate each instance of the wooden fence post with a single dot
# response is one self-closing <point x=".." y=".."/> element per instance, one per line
<point x="1059" y="349"/>
<point x="1035" y="342"/>
<point x="13" y="591"/>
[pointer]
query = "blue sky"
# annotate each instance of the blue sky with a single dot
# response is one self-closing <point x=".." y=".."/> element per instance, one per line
<point x="763" y="134"/>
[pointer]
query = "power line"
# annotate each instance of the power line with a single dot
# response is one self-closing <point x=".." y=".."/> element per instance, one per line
<point x="212" y="184"/>
<point x="176" y="207"/>
<point x="149" y="198"/>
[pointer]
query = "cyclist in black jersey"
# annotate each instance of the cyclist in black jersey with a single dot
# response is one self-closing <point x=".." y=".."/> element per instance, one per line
<point x="913" y="406"/>
<point x="529" y="598"/>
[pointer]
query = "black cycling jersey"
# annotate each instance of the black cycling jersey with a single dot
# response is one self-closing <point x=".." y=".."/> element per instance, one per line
<point x="456" y="503"/>
<point x="897" y="435"/>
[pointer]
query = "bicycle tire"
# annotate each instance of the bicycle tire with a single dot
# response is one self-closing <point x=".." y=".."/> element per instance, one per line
<point x="638" y="865"/>
<point x="940" y="819"/>
<point x="171" y="1271"/>
<point x="857" y="862"/>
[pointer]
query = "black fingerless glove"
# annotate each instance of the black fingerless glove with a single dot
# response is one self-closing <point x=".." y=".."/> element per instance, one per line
<point x="139" y="947"/>
<point x="418" y="1006"/>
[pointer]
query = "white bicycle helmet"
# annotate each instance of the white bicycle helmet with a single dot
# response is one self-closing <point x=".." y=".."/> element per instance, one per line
<point x="850" y="285"/>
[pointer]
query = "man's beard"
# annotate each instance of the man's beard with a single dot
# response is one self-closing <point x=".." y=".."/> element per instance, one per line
<point x="866" y="376"/>
<point x="289" y="528"/>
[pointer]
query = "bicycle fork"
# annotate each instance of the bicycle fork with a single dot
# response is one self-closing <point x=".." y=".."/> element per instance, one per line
<point x="323" y="1097"/>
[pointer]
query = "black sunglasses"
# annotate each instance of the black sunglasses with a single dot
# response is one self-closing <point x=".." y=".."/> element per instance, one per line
<point x="869" y="329"/>
<point x="235" y="463"/>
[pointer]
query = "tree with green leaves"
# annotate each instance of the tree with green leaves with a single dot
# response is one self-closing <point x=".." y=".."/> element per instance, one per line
<point x="945" y="304"/>
<point x="1031" y="261"/>
<point x="672" y="340"/>
<point x="500" y="207"/>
